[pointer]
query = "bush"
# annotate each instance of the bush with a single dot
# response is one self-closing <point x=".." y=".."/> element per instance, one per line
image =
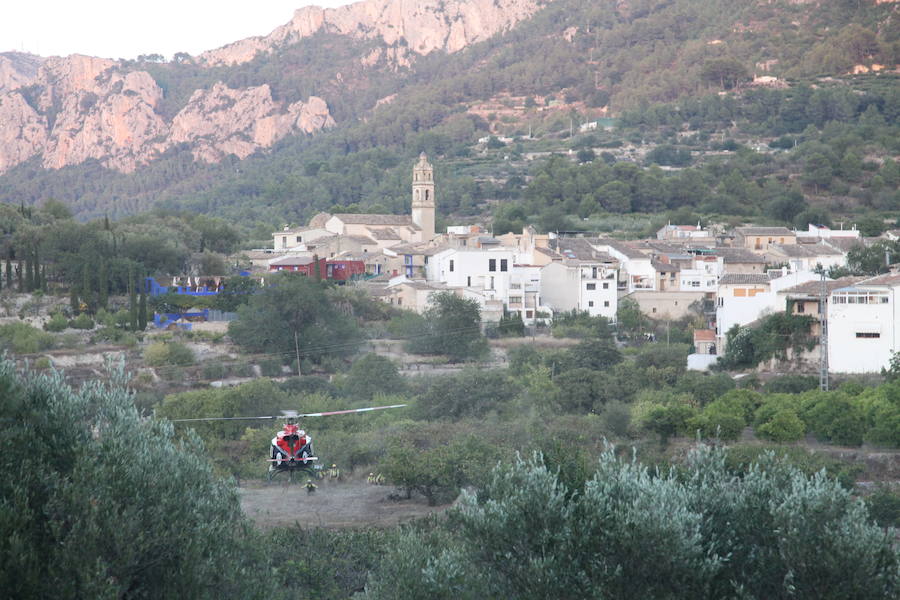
<point x="271" y="367"/>
<point x="371" y="375"/>
<point x="213" y="370"/>
<point x="785" y="426"/>
<point x="834" y="417"/>
<point x="791" y="384"/>
<point x="22" y="338"/>
<point x="57" y="323"/>
<point x="241" y="369"/>
<point x="168" y="354"/>
<point x="662" y="356"/>
<point x="82" y="321"/>
<point x="884" y="506"/>
<point x="42" y="363"/>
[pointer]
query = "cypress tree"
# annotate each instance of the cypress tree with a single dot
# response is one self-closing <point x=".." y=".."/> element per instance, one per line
<point x="20" y="276"/>
<point x="103" y="285"/>
<point x="35" y="270"/>
<point x="9" y="274"/>
<point x="142" y="311"/>
<point x="132" y="301"/>
<point x="44" y="278"/>
<point x="29" y="274"/>
<point x="87" y="295"/>
<point x="73" y="299"/>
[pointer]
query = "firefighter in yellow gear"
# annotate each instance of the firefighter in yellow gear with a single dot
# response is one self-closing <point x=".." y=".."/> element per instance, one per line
<point x="334" y="472"/>
<point x="371" y="479"/>
<point x="310" y="487"/>
<point x="379" y="479"/>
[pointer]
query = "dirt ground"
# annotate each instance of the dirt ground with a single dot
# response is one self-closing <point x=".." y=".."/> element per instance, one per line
<point x="334" y="504"/>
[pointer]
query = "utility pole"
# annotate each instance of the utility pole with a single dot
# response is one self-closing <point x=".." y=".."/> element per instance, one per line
<point x="823" y="335"/>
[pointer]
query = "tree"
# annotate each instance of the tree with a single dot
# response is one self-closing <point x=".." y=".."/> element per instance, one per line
<point x="370" y="375"/>
<point x="142" y="310"/>
<point x="727" y="72"/>
<point x="631" y="532"/>
<point x="130" y="512"/>
<point x="293" y="312"/>
<point x="103" y="285"/>
<point x="132" y="302"/>
<point x="452" y="327"/>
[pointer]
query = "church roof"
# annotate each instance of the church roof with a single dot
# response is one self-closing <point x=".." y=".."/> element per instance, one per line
<point x="369" y="219"/>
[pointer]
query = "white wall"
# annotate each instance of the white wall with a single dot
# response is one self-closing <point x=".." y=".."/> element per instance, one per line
<point x="566" y="287"/>
<point x="848" y="353"/>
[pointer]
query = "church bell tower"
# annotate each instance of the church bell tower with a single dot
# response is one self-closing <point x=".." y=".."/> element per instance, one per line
<point x="423" y="197"/>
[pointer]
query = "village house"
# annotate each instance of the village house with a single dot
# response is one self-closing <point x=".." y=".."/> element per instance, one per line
<point x="805" y="257"/>
<point x="585" y="280"/>
<point x="862" y="325"/>
<point x="758" y="239"/>
<point x="684" y="233"/>
<point x="410" y="295"/>
<point x="742" y="298"/>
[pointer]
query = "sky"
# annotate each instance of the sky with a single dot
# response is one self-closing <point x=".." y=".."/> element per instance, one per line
<point x="127" y="28"/>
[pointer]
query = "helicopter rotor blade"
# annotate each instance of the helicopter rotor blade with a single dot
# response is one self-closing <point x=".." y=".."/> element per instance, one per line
<point x="227" y="419"/>
<point x="352" y="410"/>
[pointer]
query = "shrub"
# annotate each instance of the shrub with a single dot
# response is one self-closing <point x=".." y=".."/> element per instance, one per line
<point x="22" y="338"/>
<point x="834" y="417"/>
<point x="271" y="367"/>
<point x="785" y="426"/>
<point x="884" y="506"/>
<point x="791" y="384"/>
<point x="168" y="353"/>
<point x="242" y="369"/>
<point x="42" y="363"/>
<point x="57" y="323"/>
<point x="82" y="321"/>
<point x="213" y="370"/>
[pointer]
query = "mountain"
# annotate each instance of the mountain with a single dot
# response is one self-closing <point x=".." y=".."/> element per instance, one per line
<point x="319" y="112"/>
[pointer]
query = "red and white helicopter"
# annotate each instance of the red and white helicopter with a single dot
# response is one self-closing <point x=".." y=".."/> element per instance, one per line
<point x="292" y="448"/>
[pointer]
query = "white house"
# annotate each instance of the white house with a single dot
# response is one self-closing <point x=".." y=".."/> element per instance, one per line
<point x="581" y="285"/>
<point x="703" y="274"/>
<point x="742" y="298"/>
<point x="491" y="275"/>
<point x="862" y="325"/>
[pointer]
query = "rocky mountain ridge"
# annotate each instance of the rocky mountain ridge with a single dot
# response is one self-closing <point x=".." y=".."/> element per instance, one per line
<point x="407" y="27"/>
<point x="72" y="109"/>
<point x="81" y="107"/>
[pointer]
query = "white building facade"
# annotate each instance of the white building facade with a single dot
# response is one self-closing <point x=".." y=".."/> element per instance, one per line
<point x="582" y="286"/>
<point x="862" y="332"/>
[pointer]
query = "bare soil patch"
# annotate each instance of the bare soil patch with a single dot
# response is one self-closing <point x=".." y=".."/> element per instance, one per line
<point x="335" y="505"/>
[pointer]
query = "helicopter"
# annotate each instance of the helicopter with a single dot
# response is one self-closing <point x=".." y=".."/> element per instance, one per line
<point x="292" y="448"/>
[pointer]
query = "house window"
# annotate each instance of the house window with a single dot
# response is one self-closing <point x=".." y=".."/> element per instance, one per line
<point x="469" y="281"/>
<point x="399" y="301"/>
<point x="529" y="314"/>
<point x="591" y="286"/>
<point x="451" y="266"/>
<point x="606" y="303"/>
<point x="503" y="264"/>
<point x="605" y="286"/>
<point x="590" y="303"/>
<point x="492" y="264"/>
<point x="299" y="239"/>
<point x="593" y="272"/>
<point x="654" y="309"/>
<point x="492" y="283"/>
<point x="695" y="284"/>
<point x="867" y="334"/>
<point x="801" y="307"/>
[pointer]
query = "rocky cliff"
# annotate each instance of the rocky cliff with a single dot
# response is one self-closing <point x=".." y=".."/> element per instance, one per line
<point x="407" y="26"/>
<point x="69" y="110"/>
<point x="80" y="107"/>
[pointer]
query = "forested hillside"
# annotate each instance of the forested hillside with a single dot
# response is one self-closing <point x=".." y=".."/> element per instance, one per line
<point x="660" y="65"/>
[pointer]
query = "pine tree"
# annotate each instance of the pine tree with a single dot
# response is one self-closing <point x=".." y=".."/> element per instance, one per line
<point x="35" y="270"/>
